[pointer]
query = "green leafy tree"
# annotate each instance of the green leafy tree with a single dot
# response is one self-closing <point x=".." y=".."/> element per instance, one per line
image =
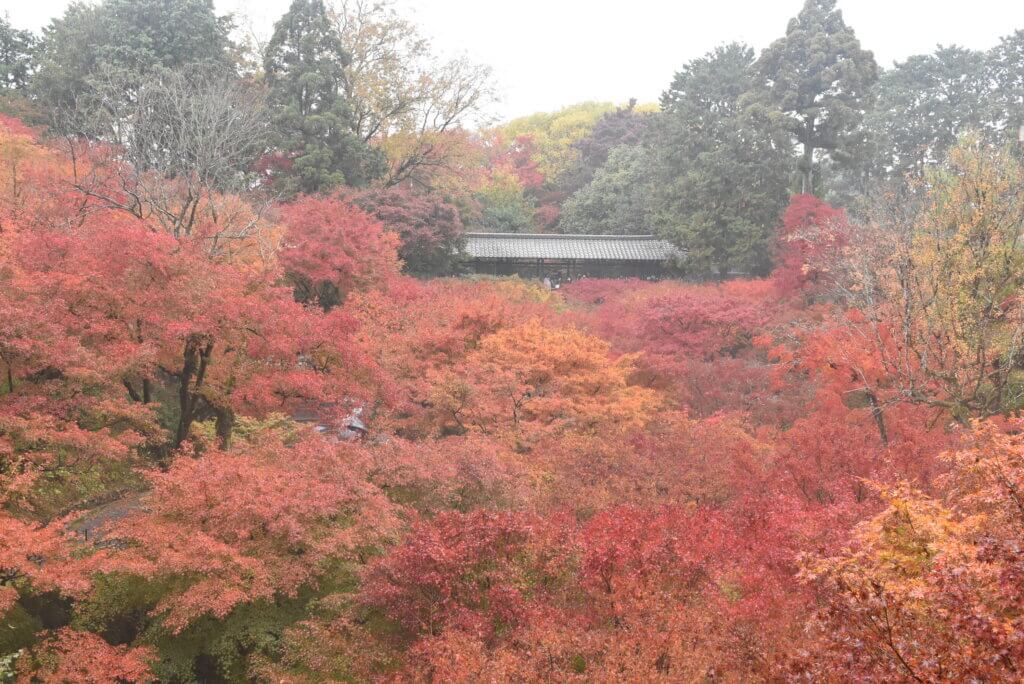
<point x="624" y="126"/>
<point x="130" y="38"/>
<point x="924" y="105"/>
<point x="617" y="200"/>
<point x="1005" y="71"/>
<point x="17" y="59"/>
<point x="818" y="76"/>
<point x="722" y="166"/>
<point x="18" y="63"/>
<point x="503" y="208"/>
<point x="305" y="65"/>
<point x="556" y="134"/>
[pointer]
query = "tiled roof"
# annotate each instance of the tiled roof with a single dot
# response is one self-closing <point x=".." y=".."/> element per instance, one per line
<point x="580" y="247"/>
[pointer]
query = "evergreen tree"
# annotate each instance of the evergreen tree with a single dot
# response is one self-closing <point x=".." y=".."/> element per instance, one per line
<point x="924" y="105"/>
<point x="17" y="61"/>
<point x="129" y="40"/>
<point x="624" y="126"/>
<point x="820" y="78"/>
<point x="501" y="207"/>
<point x="617" y="200"/>
<point x="304" y="65"/>
<point x="723" y="166"/>
<point x="1005" y="73"/>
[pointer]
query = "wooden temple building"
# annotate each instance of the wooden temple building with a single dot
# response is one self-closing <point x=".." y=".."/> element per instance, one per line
<point x="563" y="258"/>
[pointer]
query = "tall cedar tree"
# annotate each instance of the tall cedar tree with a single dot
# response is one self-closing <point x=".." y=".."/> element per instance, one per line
<point x="820" y="78"/>
<point x="317" y="149"/>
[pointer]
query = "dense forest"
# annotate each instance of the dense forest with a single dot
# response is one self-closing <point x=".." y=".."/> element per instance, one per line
<point x="254" y="428"/>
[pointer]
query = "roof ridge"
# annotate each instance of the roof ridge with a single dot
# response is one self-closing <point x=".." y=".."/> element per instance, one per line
<point x="556" y="236"/>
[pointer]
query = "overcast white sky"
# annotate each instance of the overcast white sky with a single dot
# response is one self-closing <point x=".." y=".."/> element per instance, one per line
<point x="550" y="53"/>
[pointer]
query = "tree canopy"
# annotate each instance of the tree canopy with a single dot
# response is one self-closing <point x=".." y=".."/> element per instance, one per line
<point x="258" y="422"/>
<point x="723" y="176"/>
<point x="820" y="79"/>
<point x="305" y="67"/>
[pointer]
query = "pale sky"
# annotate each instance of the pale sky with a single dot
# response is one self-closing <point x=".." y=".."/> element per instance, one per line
<point x="550" y="53"/>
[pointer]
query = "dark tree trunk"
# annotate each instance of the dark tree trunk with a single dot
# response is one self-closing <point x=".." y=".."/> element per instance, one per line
<point x="134" y="393"/>
<point x="876" y="412"/>
<point x="196" y="357"/>
<point x="131" y="390"/>
<point x="225" y="423"/>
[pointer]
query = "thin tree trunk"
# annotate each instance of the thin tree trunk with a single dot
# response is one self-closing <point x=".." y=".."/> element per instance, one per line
<point x="225" y="423"/>
<point x="876" y="412"/>
<point x="807" y="170"/>
<point x="807" y="159"/>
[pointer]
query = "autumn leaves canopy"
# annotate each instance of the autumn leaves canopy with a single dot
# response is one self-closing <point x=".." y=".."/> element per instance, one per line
<point x="659" y="481"/>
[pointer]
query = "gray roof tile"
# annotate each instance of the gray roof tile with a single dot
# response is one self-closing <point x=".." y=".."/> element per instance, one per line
<point x="579" y="247"/>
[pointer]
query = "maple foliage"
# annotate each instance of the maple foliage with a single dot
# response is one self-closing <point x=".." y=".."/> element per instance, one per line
<point x="118" y="340"/>
<point x="138" y="304"/>
<point x="100" y="300"/>
<point x="530" y="379"/>
<point x="418" y="331"/>
<point x="618" y="480"/>
<point x="811" y="235"/>
<point x="697" y="342"/>
<point x="703" y="322"/>
<point x="930" y="588"/>
<point x="462" y="473"/>
<point x="332" y="248"/>
<point x="430" y="228"/>
<point x="458" y="571"/>
<point x="673" y="460"/>
<point x="41" y="555"/>
<point x="657" y="574"/>
<point x="251" y="523"/>
<point x="629" y="591"/>
<point x="62" y="350"/>
<point x="68" y="655"/>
